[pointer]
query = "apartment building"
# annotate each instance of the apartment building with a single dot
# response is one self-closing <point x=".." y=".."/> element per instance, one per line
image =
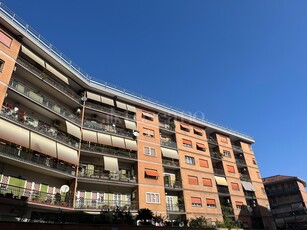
<point x="288" y="200"/>
<point x="70" y="143"/>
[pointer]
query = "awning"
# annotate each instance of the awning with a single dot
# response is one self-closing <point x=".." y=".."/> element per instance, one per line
<point x="151" y="172"/>
<point x="186" y="142"/>
<point x="43" y="145"/>
<point x="118" y="142"/>
<point x="121" y="105"/>
<point x="203" y="163"/>
<point x="185" y="126"/>
<point x="148" y="115"/>
<point x="207" y="182"/>
<point x="67" y="154"/>
<point x="104" y="139"/>
<point x="110" y="163"/>
<point x="170" y="153"/>
<point x="89" y="136"/>
<point x="36" y="97"/>
<point x="57" y="73"/>
<point x="130" y="125"/>
<point x="198" y="130"/>
<point x="73" y="130"/>
<point x="230" y="168"/>
<point x="14" y="133"/>
<point x="201" y="146"/>
<point x="247" y="186"/>
<point x="235" y="186"/>
<point x="131" y="108"/>
<point x="210" y="201"/>
<point x="192" y="180"/>
<point x="33" y="56"/>
<point x="221" y="180"/>
<point x="107" y="100"/>
<point x="93" y="96"/>
<point x="130" y="144"/>
<point x="239" y="203"/>
<point x="195" y="200"/>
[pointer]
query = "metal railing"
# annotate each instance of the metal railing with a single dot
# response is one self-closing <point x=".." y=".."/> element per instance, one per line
<point x="237" y="148"/>
<point x="169" y="143"/>
<point x="28" y="30"/>
<point x="240" y="162"/>
<point x="223" y="190"/>
<point x="35" y="196"/>
<point x="245" y="177"/>
<point x="109" y="128"/>
<point x="108" y="150"/>
<point x="106" y="205"/>
<point x="43" y="100"/>
<point x="112" y="111"/>
<point x="219" y="171"/>
<point x="173" y="185"/>
<point x="35" y="159"/>
<point x="99" y="174"/>
<point x="212" y="141"/>
<point x="216" y="155"/>
<point x="40" y="127"/>
<point x="168" y="126"/>
<point x="250" y="195"/>
<point x="281" y="191"/>
<point x="175" y="207"/>
<point x="171" y="162"/>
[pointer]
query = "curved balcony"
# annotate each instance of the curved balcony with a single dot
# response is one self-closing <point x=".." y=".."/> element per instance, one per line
<point x="43" y="100"/>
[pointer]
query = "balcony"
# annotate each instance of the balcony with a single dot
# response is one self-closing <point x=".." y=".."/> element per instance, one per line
<point x="223" y="191"/>
<point x="227" y="210"/>
<point x="35" y="159"/>
<point x="108" y="151"/>
<point x="167" y="126"/>
<point x="47" y="78"/>
<point x="216" y="155"/>
<point x="108" y="110"/>
<point x="241" y="162"/>
<point x="173" y="185"/>
<point x="34" y="196"/>
<point x="108" y="128"/>
<point x="237" y="148"/>
<point x="282" y="191"/>
<point x="218" y="171"/>
<point x="172" y="162"/>
<point x="43" y="100"/>
<point x="168" y="144"/>
<point x="106" y="205"/>
<point x="244" y="177"/>
<point x="211" y="140"/>
<point x="105" y="176"/>
<point x="249" y="195"/>
<point x="38" y="126"/>
<point x="175" y="208"/>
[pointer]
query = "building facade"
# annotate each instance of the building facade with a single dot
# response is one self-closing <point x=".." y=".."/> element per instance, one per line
<point x="70" y="143"/>
<point x="288" y="200"/>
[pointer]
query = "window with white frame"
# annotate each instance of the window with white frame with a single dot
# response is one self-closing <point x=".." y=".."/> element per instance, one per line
<point x="149" y="151"/>
<point x="189" y="160"/>
<point x="227" y="154"/>
<point x="152" y="198"/>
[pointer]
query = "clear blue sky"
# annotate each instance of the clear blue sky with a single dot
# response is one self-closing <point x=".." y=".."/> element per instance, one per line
<point x="242" y="63"/>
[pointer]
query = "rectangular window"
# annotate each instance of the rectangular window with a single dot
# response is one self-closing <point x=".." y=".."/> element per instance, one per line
<point x="196" y="201"/>
<point x="149" y="151"/>
<point x="235" y="186"/>
<point x="263" y="191"/>
<point x="239" y="205"/>
<point x="207" y="182"/>
<point x="187" y="143"/>
<point x="198" y="132"/>
<point x="203" y="163"/>
<point x="148" y="132"/>
<point x="184" y="127"/>
<point x="230" y="169"/>
<point x="193" y="180"/>
<point x="148" y="116"/>
<point x="151" y="174"/>
<point x="1" y="65"/>
<point x="201" y="147"/>
<point x="189" y="160"/>
<point x="211" y="203"/>
<point x="152" y="198"/>
<point x="227" y="154"/>
<point x="223" y="139"/>
<point x="5" y="39"/>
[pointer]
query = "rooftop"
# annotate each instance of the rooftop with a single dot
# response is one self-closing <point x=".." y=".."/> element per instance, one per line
<point x="281" y="178"/>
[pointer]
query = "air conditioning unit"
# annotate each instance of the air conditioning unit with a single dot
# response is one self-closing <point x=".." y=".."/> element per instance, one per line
<point x="56" y="123"/>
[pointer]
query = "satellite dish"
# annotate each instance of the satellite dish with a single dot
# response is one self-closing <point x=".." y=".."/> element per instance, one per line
<point x="136" y="133"/>
<point x="64" y="188"/>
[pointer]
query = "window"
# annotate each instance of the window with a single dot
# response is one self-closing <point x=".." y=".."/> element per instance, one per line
<point x="230" y="169"/>
<point x="152" y="198"/>
<point x="184" y="127"/>
<point x="198" y="132"/>
<point x="203" y="163"/>
<point x="196" y="201"/>
<point x="201" y="147"/>
<point x="211" y="203"/>
<point x="151" y="174"/>
<point x="187" y="143"/>
<point x="148" y="132"/>
<point x="149" y="151"/>
<point x="254" y="161"/>
<point x="227" y="154"/>
<point x="148" y="116"/>
<point x="258" y="175"/>
<point x="235" y="186"/>
<point x="193" y="180"/>
<point x="207" y="182"/>
<point x="5" y="39"/>
<point x="263" y="191"/>
<point x="1" y="65"/>
<point x="189" y="160"/>
<point x="239" y="205"/>
<point x="223" y="139"/>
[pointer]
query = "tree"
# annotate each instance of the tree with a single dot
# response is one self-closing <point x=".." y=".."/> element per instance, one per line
<point x="145" y="215"/>
<point x="198" y="222"/>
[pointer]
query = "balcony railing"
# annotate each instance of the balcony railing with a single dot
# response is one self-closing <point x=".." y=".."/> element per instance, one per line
<point x="173" y="185"/>
<point x="175" y="207"/>
<point x="109" y="128"/>
<point x="106" y="205"/>
<point x="108" y="150"/>
<point x="250" y="195"/>
<point x="245" y="177"/>
<point x="38" y="126"/>
<point x="237" y="148"/>
<point x="212" y="141"/>
<point x="281" y="191"/>
<point x="172" y="162"/>
<point x="43" y="100"/>
<point x="216" y="155"/>
<point x="35" y="159"/>
<point x="34" y="196"/>
<point x="21" y="61"/>
<point x="110" y="110"/>
<point x="168" y="126"/>
<point x="241" y="162"/>
<point x="168" y="143"/>
<point x="223" y="190"/>
<point x="227" y="210"/>
<point x="219" y="171"/>
<point x="112" y="176"/>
